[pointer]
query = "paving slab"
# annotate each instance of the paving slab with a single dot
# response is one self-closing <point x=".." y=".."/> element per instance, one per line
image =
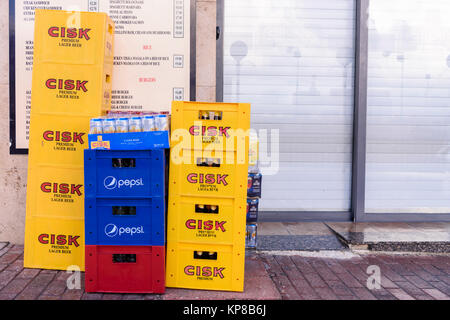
<point x="272" y="228"/>
<point x="299" y="243"/>
<point x="255" y="288"/>
<point x="399" y="237"/>
<point x="304" y="236"/>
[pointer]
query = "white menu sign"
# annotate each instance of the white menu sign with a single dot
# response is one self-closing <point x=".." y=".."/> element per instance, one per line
<point x="152" y="65"/>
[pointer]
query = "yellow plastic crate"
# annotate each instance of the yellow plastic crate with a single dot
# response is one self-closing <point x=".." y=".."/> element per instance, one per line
<point x="58" y="140"/>
<point x="227" y="179"/>
<point x="56" y="192"/>
<point x="218" y="267"/>
<point x="206" y="220"/>
<point x="71" y="90"/>
<point x="189" y="129"/>
<point x="70" y="85"/>
<point x="67" y="37"/>
<point x="54" y="243"/>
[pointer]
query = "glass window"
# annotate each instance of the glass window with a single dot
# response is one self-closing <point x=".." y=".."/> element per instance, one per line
<point x="293" y="60"/>
<point x="408" y="121"/>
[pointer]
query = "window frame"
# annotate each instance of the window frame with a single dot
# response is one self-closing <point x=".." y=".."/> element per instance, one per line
<point x="357" y="211"/>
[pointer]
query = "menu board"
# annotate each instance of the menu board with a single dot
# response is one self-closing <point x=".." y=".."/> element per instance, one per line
<point x="154" y="55"/>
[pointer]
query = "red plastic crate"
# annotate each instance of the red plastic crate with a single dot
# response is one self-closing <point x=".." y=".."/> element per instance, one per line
<point x="125" y="269"/>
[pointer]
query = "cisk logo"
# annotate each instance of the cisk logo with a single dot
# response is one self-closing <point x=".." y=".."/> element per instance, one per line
<point x="205" y="225"/>
<point x="210" y="131"/>
<point x="100" y="144"/>
<point x="204" y="271"/>
<point x="75" y="137"/>
<point x="66" y="84"/>
<point x="71" y="33"/>
<point x="61" y="188"/>
<point x="207" y="178"/>
<point x="60" y="239"/>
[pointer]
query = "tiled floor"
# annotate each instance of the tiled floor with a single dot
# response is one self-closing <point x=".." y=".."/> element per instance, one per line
<point x="289" y="276"/>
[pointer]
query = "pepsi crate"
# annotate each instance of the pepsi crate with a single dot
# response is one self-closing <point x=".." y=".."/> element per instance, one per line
<point x="125" y="269"/>
<point x="125" y="222"/>
<point x="124" y="174"/>
<point x="130" y="141"/>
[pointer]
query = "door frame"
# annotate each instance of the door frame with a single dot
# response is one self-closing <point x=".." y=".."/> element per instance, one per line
<point x="357" y="211"/>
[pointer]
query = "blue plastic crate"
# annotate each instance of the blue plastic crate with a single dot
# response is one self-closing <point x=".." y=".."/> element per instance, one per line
<point x="122" y="174"/>
<point x="125" y="222"/>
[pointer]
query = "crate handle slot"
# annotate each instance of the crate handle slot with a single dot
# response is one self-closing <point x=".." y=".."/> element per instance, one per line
<point x="124" y="210"/>
<point x="210" y="115"/>
<point x="205" y="255"/>
<point x="123" y="258"/>
<point x="206" y="208"/>
<point x="124" y="162"/>
<point x="208" y="162"/>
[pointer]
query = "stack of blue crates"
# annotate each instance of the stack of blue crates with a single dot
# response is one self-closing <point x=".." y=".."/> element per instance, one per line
<point x="125" y="198"/>
<point x="125" y="218"/>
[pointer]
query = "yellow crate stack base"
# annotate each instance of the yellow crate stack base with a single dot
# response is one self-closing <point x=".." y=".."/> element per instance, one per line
<point x="207" y="171"/>
<point x="72" y="79"/>
<point x="226" y="273"/>
<point x="59" y="243"/>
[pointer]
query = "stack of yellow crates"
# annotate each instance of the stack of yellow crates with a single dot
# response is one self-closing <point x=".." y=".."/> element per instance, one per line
<point x="72" y="69"/>
<point x="207" y="196"/>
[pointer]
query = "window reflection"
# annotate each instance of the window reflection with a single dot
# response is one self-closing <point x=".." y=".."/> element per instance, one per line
<point x="408" y="121"/>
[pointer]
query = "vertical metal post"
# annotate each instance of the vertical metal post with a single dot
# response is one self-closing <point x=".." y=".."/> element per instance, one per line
<point x="360" y="112"/>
